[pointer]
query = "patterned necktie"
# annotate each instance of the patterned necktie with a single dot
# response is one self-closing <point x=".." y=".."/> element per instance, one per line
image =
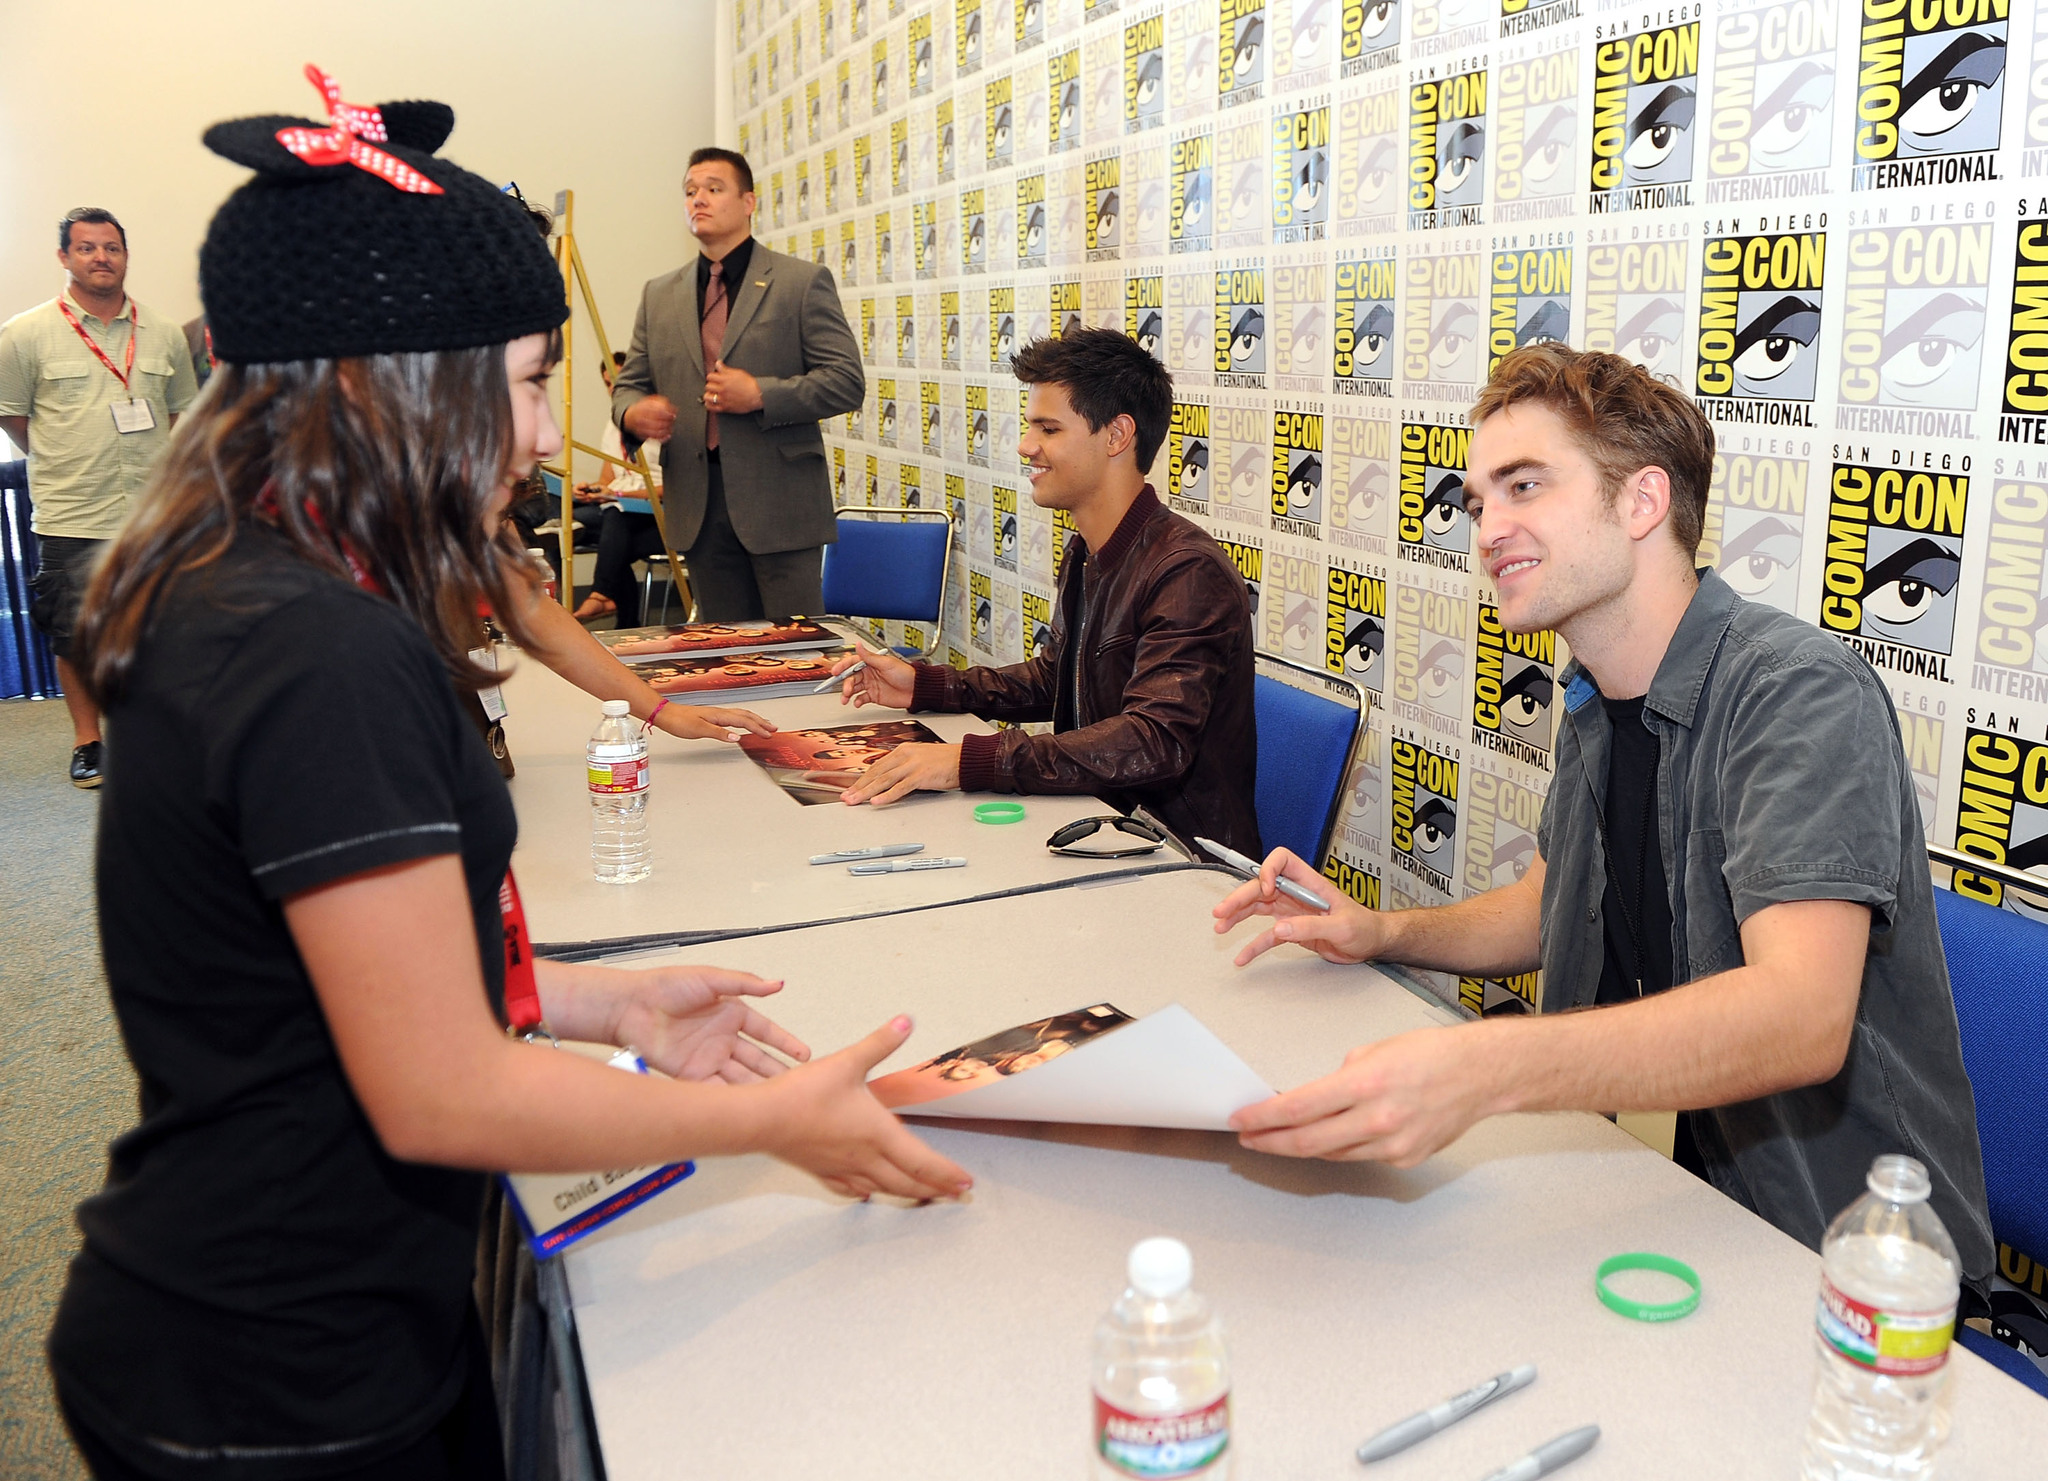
<point x="713" y="319"/>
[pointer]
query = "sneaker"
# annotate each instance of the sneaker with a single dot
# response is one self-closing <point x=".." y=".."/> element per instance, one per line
<point x="85" y="765"/>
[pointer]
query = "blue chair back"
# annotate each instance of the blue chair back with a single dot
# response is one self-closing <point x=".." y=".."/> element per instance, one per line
<point x="889" y="567"/>
<point x="1306" y="741"/>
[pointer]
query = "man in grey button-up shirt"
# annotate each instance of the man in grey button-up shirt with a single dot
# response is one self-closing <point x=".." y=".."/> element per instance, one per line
<point x="1810" y="1006"/>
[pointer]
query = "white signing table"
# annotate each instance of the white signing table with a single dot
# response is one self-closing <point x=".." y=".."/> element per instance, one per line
<point x="731" y="848"/>
<point x="749" y="1324"/>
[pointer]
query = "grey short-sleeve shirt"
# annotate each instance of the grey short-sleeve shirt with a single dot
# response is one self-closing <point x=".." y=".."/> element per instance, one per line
<point x="1781" y="777"/>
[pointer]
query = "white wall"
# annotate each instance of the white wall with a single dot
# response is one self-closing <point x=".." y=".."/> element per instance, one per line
<point x="104" y="106"/>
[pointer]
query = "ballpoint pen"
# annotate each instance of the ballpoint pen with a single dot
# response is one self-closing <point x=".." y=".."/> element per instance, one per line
<point x="1396" y="1438"/>
<point x="846" y="673"/>
<point x="905" y="866"/>
<point x="1549" y="1457"/>
<point x="1250" y="870"/>
<point x="853" y="855"/>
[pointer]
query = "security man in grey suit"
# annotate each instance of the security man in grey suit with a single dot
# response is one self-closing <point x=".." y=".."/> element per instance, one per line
<point x="754" y="344"/>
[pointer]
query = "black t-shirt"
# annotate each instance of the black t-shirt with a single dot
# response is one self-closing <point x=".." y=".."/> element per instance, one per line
<point x="1637" y="895"/>
<point x="263" y="1292"/>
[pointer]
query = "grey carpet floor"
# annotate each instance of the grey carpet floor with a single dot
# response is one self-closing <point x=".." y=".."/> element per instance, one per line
<point x="65" y="1085"/>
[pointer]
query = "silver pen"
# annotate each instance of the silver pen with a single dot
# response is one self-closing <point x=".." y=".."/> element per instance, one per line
<point x="1246" y="867"/>
<point x="1547" y="1458"/>
<point x="886" y="851"/>
<point x="1421" y="1426"/>
<point x="905" y="866"/>
<point x="846" y="673"/>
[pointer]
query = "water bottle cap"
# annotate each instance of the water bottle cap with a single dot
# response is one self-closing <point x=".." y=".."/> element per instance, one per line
<point x="1161" y="1267"/>
<point x="1898" y="1179"/>
<point x="614" y="708"/>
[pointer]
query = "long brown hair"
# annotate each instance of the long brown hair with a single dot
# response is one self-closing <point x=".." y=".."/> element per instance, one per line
<point x="391" y="459"/>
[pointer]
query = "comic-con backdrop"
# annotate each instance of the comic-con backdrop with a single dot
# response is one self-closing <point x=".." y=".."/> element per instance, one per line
<point x="1826" y="221"/>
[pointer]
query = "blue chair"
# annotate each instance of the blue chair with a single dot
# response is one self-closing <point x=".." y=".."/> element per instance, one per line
<point x="891" y="563"/>
<point x="1994" y="968"/>
<point x="1309" y="728"/>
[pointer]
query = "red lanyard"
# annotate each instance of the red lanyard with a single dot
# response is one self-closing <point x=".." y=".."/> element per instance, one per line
<point x="134" y="330"/>
<point x="522" y="988"/>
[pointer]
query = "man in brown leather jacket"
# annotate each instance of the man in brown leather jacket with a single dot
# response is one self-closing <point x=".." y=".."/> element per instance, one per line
<point x="1147" y="677"/>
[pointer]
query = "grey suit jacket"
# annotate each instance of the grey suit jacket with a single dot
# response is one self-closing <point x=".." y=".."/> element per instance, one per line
<point x="786" y="329"/>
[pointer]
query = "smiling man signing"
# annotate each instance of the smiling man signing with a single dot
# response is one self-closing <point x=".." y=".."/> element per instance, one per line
<point x="1147" y="676"/>
<point x="1730" y="865"/>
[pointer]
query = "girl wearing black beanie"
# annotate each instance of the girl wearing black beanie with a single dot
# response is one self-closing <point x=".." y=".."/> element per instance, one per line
<point x="304" y="846"/>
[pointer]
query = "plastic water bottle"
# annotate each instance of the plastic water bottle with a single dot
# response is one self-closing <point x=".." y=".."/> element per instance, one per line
<point x="1886" y="1314"/>
<point x="618" y="797"/>
<point x="1162" y="1382"/>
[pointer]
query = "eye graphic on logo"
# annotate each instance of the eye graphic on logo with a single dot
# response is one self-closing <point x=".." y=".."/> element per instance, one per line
<point x="1771" y="343"/>
<point x="1148" y="332"/>
<point x="1511" y="858"/>
<point x="1547" y="148"/>
<point x="1194" y="204"/>
<point x="1377" y="172"/>
<point x="1945" y="92"/>
<point x="1660" y="128"/>
<point x="1304" y="483"/>
<point x="1436" y="823"/>
<point x="1151" y="79"/>
<point x="1931" y="344"/>
<point x="1034" y="231"/>
<point x="1793" y="116"/>
<point x="1462" y="147"/>
<point x="1300" y="626"/>
<point x="1550" y="324"/>
<point x="1246" y="336"/>
<point x="1525" y="699"/>
<point x="1363" y="645"/>
<point x="1309" y="183"/>
<point x="1755" y="559"/>
<point x="1251" y="38"/>
<point x="1903" y="587"/>
<point x="1375" y="335"/>
<point x="1245" y="476"/>
<point x="1107" y="213"/>
<point x="1248" y="192"/>
<point x="1378" y="18"/>
<point x="1308" y="337"/>
<point x="1453" y="334"/>
<point x="1443" y="508"/>
<point x="1652" y="331"/>
<point x="1441" y="665"/>
<point x="1194" y="463"/>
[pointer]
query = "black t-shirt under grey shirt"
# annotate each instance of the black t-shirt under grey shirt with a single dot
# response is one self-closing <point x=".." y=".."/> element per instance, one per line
<point x="263" y="1292"/>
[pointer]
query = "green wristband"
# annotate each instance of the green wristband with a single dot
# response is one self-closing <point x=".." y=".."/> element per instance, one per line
<point x="1643" y="1311"/>
<point x="999" y="812"/>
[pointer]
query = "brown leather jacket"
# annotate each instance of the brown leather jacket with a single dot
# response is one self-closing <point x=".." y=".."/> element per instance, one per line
<point x="1158" y="708"/>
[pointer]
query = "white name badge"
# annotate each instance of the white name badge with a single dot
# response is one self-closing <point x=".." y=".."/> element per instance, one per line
<point x="557" y="1209"/>
<point x="492" y="698"/>
<point x="133" y="415"/>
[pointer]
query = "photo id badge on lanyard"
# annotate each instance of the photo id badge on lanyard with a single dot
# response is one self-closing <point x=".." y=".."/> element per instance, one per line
<point x="133" y="415"/>
<point x="492" y="697"/>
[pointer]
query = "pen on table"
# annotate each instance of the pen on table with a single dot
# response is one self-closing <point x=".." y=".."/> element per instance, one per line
<point x="1546" y="1458"/>
<point x="846" y="673"/>
<point x="905" y="866"/>
<point x="1245" y="866"/>
<point x="1421" y="1426"/>
<point x="886" y="851"/>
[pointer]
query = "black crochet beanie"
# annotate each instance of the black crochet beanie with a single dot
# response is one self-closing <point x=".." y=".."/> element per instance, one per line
<point x="355" y="238"/>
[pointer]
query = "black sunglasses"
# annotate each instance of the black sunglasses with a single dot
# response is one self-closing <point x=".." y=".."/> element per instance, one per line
<point x="1062" y="842"/>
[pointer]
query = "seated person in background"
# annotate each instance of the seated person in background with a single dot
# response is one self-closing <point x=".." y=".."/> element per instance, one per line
<point x="597" y="507"/>
<point x="1730" y="865"/>
<point x="1147" y="677"/>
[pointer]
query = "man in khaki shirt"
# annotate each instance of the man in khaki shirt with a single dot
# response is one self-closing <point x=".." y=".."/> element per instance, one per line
<point x="90" y="384"/>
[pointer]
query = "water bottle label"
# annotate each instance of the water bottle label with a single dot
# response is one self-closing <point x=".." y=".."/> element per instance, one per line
<point x="619" y="776"/>
<point x="1904" y="1344"/>
<point x="1162" y="1445"/>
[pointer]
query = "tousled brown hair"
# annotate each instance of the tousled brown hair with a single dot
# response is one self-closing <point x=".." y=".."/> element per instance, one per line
<point x="392" y="457"/>
<point x="1624" y="419"/>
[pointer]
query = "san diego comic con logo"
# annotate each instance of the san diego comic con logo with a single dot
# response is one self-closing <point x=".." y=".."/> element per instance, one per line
<point x="1298" y="285"/>
<point x="1894" y="556"/>
<point x="1145" y="73"/>
<point x="1370" y="141"/>
<point x="1250" y="560"/>
<point x="1535" y="125"/>
<point x="1105" y="207"/>
<point x="1368" y="36"/>
<point x="1514" y="681"/>
<point x="1355" y="628"/>
<point x="1433" y="529"/>
<point x="1190" y="190"/>
<point x="1645" y="100"/>
<point x="1930" y="88"/>
<point x="1240" y="358"/>
<point x="2002" y="816"/>
<point x="1187" y="458"/>
<point x="1240" y="51"/>
<point x="1501" y="821"/>
<point x="1427" y="662"/>
<point x="1441" y="325"/>
<point x="1761" y="303"/>
<point x="2012" y="611"/>
<point x="1301" y="173"/>
<point x="1298" y="473"/>
<point x="1773" y="102"/>
<point x="1145" y="313"/>
<point x="2024" y="407"/>
<point x="1531" y="301"/>
<point x="1291" y="619"/>
<point x="1913" y="329"/>
<point x="1031" y="220"/>
<point x="1756" y="519"/>
<point x="1635" y="304"/>
<point x="1447" y="152"/>
<point x="1424" y="822"/>
<point x="1361" y="484"/>
<point x="1362" y="335"/>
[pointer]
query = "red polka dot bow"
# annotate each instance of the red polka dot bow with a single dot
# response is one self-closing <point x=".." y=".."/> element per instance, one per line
<point x="352" y="140"/>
